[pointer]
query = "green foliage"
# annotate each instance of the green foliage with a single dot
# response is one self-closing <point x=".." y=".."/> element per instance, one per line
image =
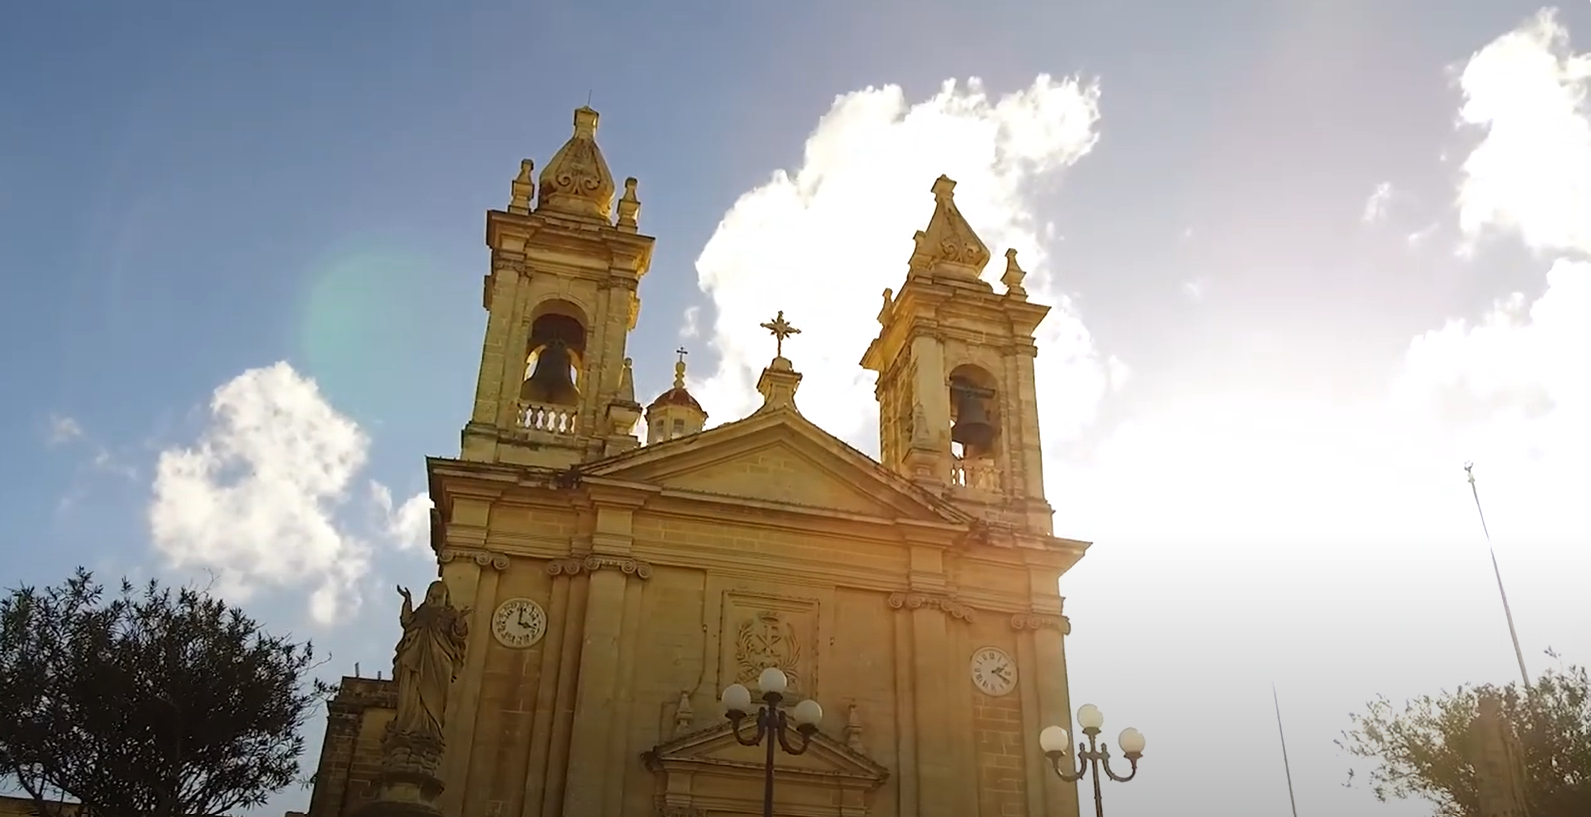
<point x="1421" y="751"/>
<point x="146" y="703"/>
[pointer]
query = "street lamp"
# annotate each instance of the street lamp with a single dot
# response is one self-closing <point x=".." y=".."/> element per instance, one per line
<point x="773" y="724"/>
<point x="1095" y="755"/>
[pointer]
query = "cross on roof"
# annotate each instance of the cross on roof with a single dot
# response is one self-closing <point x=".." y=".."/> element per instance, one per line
<point x="780" y="329"/>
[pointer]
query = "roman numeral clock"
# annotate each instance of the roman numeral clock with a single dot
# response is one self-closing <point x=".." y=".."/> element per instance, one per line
<point x="993" y="671"/>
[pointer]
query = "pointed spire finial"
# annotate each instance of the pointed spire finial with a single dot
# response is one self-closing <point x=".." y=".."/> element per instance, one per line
<point x="948" y="244"/>
<point x="523" y="189"/>
<point x="576" y="181"/>
<point x="1013" y="276"/>
<point x="629" y="207"/>
<point x="679" y="368"/>
<point x="627" y="382"/>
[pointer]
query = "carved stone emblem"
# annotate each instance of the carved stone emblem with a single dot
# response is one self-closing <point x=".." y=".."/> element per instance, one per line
<point x="767" y="640"/>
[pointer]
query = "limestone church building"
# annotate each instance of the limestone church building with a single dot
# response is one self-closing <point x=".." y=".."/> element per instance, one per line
<point x="617" y="584"/>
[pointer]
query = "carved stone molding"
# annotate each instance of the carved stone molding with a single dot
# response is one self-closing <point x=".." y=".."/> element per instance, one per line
<point x="1033" y="621"/>
<point x="484" y="558"/>
<point x="949" y="605"/>
<point x="678" y="810"/>
<point x="591" y="564"/>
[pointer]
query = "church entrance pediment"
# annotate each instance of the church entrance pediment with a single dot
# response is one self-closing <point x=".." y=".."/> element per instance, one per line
<point x="709" y="772"/>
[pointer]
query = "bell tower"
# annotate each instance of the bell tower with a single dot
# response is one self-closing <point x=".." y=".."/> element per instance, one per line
<point x="958" y="411"/>
<point x="555" y="386"/>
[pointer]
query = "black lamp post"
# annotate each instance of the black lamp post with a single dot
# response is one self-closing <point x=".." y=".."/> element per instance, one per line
<point x="773" y="723"/>
<point x="1093" y="754"/>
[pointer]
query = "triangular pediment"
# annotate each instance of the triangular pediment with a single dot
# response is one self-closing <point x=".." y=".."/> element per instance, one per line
<point x="715" y="751"/>
<point x="781" y="457"/>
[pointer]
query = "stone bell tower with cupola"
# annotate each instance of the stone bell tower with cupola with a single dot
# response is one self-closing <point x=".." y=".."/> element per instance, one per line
<point x="555" y="385"/>
<point x="958" y="411"/>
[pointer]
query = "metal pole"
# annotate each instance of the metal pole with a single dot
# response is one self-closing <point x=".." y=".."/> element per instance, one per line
<point x="1093" y="762"/>
<point x="1286" y="766"/>
<point x="1508" y="613"/>
<point x="771" y="714"/>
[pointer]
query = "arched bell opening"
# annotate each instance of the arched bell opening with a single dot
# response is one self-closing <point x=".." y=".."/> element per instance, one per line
<point x="553" y="355"/>
<point x="974" y="413"/>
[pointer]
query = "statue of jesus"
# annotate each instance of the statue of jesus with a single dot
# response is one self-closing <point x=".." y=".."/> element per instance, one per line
<point x="428" y="657"/>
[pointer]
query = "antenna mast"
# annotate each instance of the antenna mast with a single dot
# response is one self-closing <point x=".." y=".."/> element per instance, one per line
<point x="1286" y="766"/>
<point x="1524" y="675"/>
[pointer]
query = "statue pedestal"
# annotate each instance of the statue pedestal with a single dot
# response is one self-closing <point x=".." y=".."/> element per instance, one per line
<point x="408" y="785"/>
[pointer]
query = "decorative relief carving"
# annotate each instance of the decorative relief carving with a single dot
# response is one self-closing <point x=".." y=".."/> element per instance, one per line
<point x="1033" y="621"/>
<point x="767" y="640"/>
<point x="679" y="810"/>
<point x="484" y="558"/>
<point x="760" y="630"/>
<point x="947" y="604"/>
<point x="593" y="563"/>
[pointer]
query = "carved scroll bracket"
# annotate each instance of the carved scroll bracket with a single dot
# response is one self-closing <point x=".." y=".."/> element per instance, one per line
<point x="948" y="604"/>
<point x="591" y="564"/>
<point x="1034" y="621"/>
<point x="484" y="558"/>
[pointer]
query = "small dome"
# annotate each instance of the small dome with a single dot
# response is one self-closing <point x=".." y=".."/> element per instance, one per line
<point x="676" y="396"/>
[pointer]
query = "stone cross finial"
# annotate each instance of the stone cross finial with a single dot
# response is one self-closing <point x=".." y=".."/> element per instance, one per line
<point x="679" y="368"/>
<point x="780" y="329"/>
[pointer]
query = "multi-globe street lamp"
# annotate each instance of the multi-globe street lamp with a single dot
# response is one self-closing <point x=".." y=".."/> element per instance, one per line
<point x="773" y="723"/>
<point x="1093" y="755"/>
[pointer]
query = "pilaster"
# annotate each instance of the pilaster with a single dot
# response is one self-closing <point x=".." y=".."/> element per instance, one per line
<point x="1041" y="638"/>
<point x="610" y="611"/>
<point x="472" y="577"/>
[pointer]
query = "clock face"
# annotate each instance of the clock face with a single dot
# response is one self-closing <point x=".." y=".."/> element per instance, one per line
<point x="993" y="672"/>
<point x="519" y="623"/>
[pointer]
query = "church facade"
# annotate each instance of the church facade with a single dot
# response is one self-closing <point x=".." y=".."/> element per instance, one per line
<point x="615" y="585"/>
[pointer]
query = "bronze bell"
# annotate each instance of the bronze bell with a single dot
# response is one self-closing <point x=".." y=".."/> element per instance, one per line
<point x="551" y="383"/>
<point x="973" y="428"/>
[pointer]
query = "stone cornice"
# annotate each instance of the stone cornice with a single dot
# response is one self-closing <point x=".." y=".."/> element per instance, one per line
<point x="593" y="563"/>
<point x="484" y="558"/>
<point x="945" y="603"/>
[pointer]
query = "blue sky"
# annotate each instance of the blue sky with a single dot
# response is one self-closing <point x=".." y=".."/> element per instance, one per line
<point x="1240" y="409"/>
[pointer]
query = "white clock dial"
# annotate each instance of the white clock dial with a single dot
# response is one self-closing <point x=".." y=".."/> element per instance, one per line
<point x="519" y="623"/>
<point x="993" y="672"/>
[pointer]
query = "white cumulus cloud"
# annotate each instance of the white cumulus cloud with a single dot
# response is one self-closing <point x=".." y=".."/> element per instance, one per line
<point x="1517" y="381"/>
<point x="1375" y="208"/>
<point x="1532" y="172"/>
<point x="408" y="524"/>
<point x="255" y="498"/>
<point x="63" y="429"/>
<point x="822" y="242"/>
